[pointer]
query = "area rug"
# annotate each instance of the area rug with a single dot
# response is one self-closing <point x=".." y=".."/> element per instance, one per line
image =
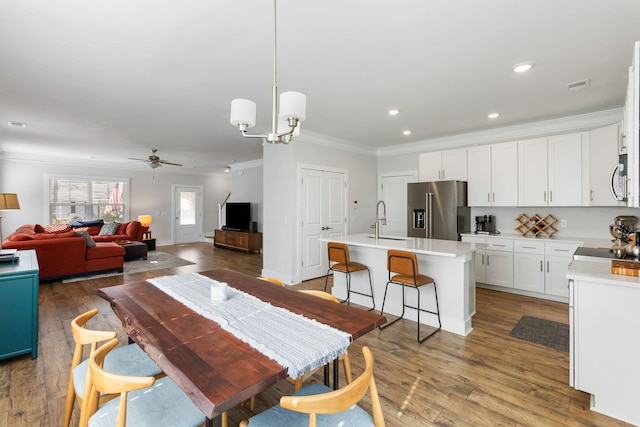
<point x="155" y="261"/>
<point x="540" y="331"/>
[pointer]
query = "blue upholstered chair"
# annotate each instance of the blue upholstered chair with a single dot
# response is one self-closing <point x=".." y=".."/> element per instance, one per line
<point x="142" y="401"/>
<point x="126" y="360"/>
<point x="318" y="405"/>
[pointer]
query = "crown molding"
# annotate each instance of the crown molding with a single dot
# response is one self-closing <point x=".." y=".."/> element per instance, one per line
<point x="578" y="123"/>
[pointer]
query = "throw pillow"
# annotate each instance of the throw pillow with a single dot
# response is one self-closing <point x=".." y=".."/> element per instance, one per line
<point x="109" y="229"/>
<point x="18" y="237"/>
<point x="90" y="242"/>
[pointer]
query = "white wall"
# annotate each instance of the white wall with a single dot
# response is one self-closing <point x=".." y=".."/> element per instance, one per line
<point x="281" y="205"/>
<point x="150" y="193"/>
<point x="246" y="186"/>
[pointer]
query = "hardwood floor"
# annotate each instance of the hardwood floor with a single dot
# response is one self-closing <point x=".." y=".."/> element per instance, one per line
<point x="485" y="379"/>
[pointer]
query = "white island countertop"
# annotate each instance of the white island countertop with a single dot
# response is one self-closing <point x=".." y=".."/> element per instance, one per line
<point x="418" y="245"/>
<point x="600" y="272"/>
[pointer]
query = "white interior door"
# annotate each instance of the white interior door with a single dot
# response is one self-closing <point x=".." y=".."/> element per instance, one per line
<point x="394" y="194"/>
<point x="187" y="202"/>
<point x="323" y="215"/>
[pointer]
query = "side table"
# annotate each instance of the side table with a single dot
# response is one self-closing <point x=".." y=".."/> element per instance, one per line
<point x="19" y="306"/>
<point x="151" y="244"/>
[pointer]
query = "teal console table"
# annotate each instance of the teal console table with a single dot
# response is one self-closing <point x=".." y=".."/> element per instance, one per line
<point x="19" y="306"/>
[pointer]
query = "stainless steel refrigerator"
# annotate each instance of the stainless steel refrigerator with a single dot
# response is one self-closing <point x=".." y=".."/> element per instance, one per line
<point x="437" y="210"/>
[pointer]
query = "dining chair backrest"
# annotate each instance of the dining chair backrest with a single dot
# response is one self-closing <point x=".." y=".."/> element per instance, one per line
<point x="81" y="338"/>
<point x="103" y="382"/>
<point x="273" y="280"/>
<point x="342" y="399"/>
<point x="321" y="294"/>
<point x="402" y="262"/>
<point x="338" y="252"/>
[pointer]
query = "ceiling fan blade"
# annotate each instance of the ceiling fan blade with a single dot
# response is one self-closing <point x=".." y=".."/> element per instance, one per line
<point x="142" y="160"/>
<point x="169" y="163"/>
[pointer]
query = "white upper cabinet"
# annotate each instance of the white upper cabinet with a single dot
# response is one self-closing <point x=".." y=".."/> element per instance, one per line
<point x="493" y="175"/>
<point x="532" y="172"/>
<point x="601" y="159"/>
<point x="550" y="171"/>
<point x="443" y="165"/>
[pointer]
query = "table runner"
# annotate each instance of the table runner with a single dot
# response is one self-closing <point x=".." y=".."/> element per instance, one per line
<point x="292" y="340"/>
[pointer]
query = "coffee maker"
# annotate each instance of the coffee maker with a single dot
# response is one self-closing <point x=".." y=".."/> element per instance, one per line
<point x="486" y="224"/>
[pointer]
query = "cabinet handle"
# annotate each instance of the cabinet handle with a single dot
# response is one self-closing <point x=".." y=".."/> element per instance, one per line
<point x="561" y="250"/>
<point x="591" y="195"/>
<point x="541" y="266"/>
<point x="501" y="246"/>
<point x="482" y="259"/>
<point x="487" y="259"/>
<point x="443" y="174"/>
<point x="494" y="196"/>
<point x="488" y="197"/>
<point x="550" y="195"/>
<point x="528" y="247"/>
<point x="544" y="196"/>
<point x="547" y="266"/>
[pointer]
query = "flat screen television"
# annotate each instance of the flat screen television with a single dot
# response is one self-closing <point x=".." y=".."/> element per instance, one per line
<point x="238" y="217"/>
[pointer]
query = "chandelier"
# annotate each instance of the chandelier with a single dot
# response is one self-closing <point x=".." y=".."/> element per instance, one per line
<point x="285" y="120"/>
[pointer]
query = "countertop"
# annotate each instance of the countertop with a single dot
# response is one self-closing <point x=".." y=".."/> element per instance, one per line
<point x="600" y="272"/>
<point x="583" y="241"/>
<point x="445" y="248"/>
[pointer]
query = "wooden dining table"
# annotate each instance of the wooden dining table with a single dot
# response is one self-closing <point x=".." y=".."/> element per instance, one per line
<point x="214" y="368"/>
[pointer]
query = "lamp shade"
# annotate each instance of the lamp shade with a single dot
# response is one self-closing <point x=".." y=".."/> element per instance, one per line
<point x="293" y="104"/>
<point x="9" y="201"/>
<point x="145" y="219"/>
<point x="243" y="111"/>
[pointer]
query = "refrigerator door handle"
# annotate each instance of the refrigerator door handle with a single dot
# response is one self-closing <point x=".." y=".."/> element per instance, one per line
<point x="429" y="221"/>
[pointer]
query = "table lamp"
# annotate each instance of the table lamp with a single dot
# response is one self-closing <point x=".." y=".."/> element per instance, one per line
<point x="7" y="201"/>
<point x="146" y="220"/>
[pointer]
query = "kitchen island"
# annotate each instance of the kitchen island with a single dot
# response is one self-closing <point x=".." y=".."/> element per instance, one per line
<point x="604" y="345"/>
<point x="449" y="263"/>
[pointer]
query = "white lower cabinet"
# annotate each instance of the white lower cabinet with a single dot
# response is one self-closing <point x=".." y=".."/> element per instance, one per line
<point x="524" y="264"/>
<point x="558" y="257"/>
<point x="528" y="265"/>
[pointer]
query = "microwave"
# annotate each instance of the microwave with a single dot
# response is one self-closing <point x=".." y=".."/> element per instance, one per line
<point x="619" y="179"/>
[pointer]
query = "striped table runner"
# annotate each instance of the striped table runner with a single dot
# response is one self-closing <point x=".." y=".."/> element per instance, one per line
<point x="292" y="340"/>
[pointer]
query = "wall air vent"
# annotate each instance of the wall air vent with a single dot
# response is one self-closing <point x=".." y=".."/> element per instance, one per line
<point x="579" y="85"/>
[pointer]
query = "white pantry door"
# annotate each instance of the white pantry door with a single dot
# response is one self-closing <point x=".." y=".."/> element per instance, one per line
<point x="323" y="215"/>
<point x="187" y="202"/>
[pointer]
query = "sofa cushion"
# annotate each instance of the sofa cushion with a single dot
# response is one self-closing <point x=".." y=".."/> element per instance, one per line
<point x="90" y="242"/>
<point x="133" y="228"/>
<point x="104" y="250"/>
<point x="45" y="236"/>
<point x="53" y="228"/>
<point x="99" y="222"/>
<point x="109" y="229"/>
<point x="18" y="237"/>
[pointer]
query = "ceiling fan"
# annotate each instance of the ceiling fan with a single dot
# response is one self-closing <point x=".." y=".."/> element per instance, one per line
<point x="155" y="161"/>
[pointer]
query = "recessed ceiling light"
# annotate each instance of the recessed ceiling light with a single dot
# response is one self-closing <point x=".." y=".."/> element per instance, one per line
<point x="17" y="124"/>
<point x="406" y="132"/>
<point x="521" y="68"/>
<point x="393" y="112"/>
<point x="494" y="115"/>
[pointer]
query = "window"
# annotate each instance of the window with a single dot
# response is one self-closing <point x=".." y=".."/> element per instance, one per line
<point x="87" y="198"/>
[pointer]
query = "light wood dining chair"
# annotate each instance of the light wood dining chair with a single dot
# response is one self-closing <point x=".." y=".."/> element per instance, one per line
<point x="139" y="401"/>
<point x="339" y="261"/>
<point x="273" y="280"/>
<point x="318" y="405"/>
<point x="127" y="360"/>
<point x="403" y="271"/>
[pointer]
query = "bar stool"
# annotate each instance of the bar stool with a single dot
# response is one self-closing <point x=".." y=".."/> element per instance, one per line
<point x="339" y="261"/>
<point x="405" y="265"/>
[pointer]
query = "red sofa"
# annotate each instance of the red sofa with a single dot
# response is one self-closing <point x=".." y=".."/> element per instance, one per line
<point x="63" y="253"/>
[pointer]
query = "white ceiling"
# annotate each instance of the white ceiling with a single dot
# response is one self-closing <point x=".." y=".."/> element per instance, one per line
<point x="111" y="79"/>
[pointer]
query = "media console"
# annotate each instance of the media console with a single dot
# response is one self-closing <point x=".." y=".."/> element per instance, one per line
<point x="243" y="240"/>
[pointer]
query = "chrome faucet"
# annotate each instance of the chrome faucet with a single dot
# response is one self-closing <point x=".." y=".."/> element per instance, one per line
<point x="376" y="225"/>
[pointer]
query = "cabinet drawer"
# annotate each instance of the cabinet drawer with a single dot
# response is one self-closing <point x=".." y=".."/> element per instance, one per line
<point x="561" y="249"/>
<point x="530" y="247"/>
<point x="504" y="245"/>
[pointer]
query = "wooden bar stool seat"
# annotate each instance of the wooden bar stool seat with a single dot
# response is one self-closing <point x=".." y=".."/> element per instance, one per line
<point x="403" y="270"/>
<point x="339" y="261"/>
